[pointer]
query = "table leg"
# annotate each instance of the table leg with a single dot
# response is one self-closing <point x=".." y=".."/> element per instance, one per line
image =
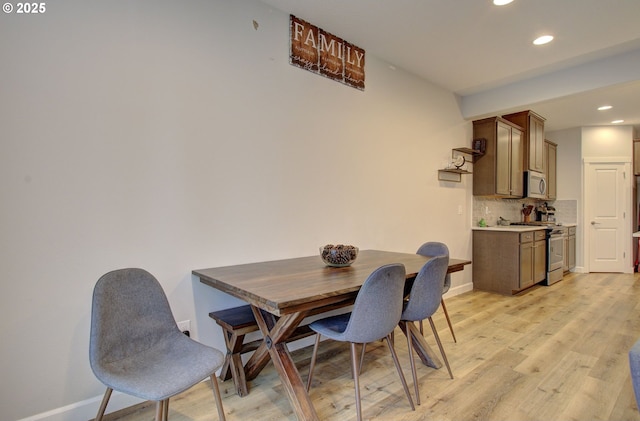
<point x="422" y="348"/>
<point x="274" y="345"/>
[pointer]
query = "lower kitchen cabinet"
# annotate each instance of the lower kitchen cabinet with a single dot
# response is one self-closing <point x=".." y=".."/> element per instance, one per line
<point x="508" y="262"/>
<point x="540" y="256"/>
<point x="570" y="249"/>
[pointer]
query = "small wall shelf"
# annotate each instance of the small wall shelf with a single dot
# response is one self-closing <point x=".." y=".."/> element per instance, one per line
<point x="455" y="174"/>
<point x="451" y="174"/>
<point x="467" y="151"/>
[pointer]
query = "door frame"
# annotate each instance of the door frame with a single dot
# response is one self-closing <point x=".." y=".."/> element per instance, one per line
<point x="627" y="206"/>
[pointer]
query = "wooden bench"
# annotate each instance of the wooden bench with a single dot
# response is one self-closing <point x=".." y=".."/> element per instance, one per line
<point x="236" y="323"/>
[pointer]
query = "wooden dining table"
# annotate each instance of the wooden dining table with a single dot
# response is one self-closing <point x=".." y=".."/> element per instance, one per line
<point x="282" y="293"/>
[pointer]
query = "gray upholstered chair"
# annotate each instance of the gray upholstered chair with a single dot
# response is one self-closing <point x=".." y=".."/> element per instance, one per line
<point x="433" y="248"/>
<point x="424" y="300"/>
<point x="634" y="365"/>
<point x="375" y="314"/>
<point x="136" y="347"/>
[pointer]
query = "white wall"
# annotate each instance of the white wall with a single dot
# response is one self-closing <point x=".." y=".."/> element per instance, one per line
<point x="574" y="145"/>
<point x="607" y="141"/>
<point x="616" y="143"/>
<point x="174" y="136"/>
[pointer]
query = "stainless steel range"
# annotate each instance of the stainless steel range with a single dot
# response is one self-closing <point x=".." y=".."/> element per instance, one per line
<point x="555" y="254"/>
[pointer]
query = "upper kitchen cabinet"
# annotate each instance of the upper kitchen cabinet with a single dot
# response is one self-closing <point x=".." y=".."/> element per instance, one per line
<point x="533" y="126"/>
<point x="499" y="171"/>
<point x="636" y="156"/>
<point x="551" y="158"/>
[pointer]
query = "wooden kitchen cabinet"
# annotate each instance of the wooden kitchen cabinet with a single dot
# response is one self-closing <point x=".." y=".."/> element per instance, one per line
<point x="636" y="156"/>
<point x="499" y="171"/>
<point x="508" y="262"/>
<point x="551" y="155"/>
<point x="569" y="249"/>
<point x="533" y="151"/>
<point x="526" y="265"/>
<point x="540" y="256"/>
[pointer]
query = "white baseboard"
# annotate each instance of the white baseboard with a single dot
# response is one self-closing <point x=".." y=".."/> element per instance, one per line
<point x="460" y="289"/>
<point x="86" y="409"/>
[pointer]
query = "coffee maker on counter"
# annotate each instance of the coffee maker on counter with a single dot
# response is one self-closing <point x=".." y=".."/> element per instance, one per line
<point x="546" y="213"/>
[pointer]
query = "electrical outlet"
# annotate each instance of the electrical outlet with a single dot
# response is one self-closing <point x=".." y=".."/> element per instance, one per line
<point x="185" y="327"/>
<point x="459" y="209"/>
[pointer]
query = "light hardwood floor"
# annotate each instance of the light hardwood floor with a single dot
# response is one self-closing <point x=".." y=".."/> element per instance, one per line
<point x="552" y="353"/>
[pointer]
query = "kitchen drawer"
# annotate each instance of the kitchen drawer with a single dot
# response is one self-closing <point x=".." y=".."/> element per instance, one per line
<point x="529" y="236"/>
<point x="540" y="235"/>
<point x="572" y="230"/>
<point x="526" y="237"/>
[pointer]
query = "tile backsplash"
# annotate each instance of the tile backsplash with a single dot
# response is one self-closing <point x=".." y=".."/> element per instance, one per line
<point x="566" y="211"/>
<point x="491" y="209"/>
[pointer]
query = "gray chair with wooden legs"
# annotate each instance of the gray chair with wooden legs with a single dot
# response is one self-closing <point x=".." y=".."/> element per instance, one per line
<point x="136" y="347"/>
<point x="376" y="313"/>
<point x="433" y="248"/>
<point x="424" y="300"/>
<point x="634" y="366"/>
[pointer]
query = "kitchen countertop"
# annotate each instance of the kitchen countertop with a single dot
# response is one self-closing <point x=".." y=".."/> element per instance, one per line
<point x="518" y="228"/>
<point x="510" y="228"/>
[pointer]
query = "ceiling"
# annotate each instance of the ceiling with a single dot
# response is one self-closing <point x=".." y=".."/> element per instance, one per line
<point x="485" y="55"/>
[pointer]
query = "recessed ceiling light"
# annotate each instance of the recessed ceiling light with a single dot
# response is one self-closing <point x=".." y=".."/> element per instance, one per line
<point x="605" y="107"/>
<point x="543" y="39"/>
<point x="501" y="2"/>
<point x="617" y="121"/>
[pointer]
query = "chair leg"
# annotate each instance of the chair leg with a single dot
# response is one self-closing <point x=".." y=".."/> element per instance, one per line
<point x="446" y="314"/>
<point x="165" y="410"/>
<point x="361" y="358"/>
<point x="421" y="328"/>
<point x="313" y="361"/>
<point x="159" y="408"/>
<point x="409" y="334"/>
<point x="218" y="398"/>
<point x="444" y="356"/>
<point x="356" y="380"/>
<point x="103" y="405"/>
<point x="397" y="363"/>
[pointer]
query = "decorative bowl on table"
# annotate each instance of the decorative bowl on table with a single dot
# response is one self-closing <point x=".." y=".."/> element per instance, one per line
<point x="339" y="255"/>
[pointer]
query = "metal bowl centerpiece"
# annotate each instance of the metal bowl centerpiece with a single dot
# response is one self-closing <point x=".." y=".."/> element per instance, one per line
<point x="339" y="255"/>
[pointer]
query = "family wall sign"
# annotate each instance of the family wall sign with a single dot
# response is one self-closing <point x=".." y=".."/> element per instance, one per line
<point x="321" y="52"/>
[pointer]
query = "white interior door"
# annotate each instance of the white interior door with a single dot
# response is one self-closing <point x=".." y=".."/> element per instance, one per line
<point x="606" y="188"/>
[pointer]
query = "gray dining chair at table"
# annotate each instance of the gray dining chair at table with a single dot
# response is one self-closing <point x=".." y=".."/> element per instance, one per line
<point x="375" y="314"/>
<point x="634" y="366"/>
<point x="423" y="302"/>
<point x="433" y="248"/>
<point x="135" y="345"/>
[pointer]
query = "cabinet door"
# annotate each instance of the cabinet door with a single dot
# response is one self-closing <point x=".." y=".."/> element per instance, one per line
<point x="516" y="173"/>
<point x="552" y="165"/>
<point x="503" y="152"/>
<point x="565" y="254"/>
<point x="526" y="265"/>
<point x="536" y="144"/>
<point x="572" y="251"/>
<point x="636" y="156"/>
<point x="539" y="261"/>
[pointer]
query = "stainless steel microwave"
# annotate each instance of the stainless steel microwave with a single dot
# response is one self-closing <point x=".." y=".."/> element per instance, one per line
<point x="535" y="185"/>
